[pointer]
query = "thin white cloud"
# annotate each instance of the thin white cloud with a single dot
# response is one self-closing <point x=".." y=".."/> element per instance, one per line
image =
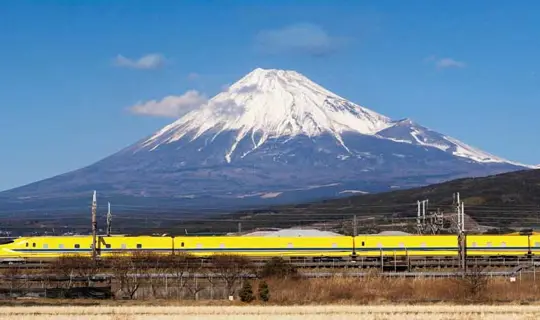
<point x="193" y="76"/>
<point x="302" y="38"/>
<point x="171" y="106"/>
<point x="149" y="61"/>
<point x="449" y="63"/>
<point x="443" y="63"/>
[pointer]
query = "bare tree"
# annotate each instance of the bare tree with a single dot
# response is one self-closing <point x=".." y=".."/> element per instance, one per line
<point x="472" y="283"/>
<point x="127" y="272"/>
<point x="13" y="278"/>
<point x="180" y="266"/>
<point x="231" y="269"/>
<point x="73" y="266"/>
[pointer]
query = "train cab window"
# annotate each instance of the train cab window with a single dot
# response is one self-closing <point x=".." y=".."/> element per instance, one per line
<point x="61" y="246"/>
<point x="363" y="243"/>
<point x="124" y="246"/>
<point x="107" y="245"/>
<point x="45" y="246"/>
<point x="77" y="246"/>
<point x="139" y="246"/>
<point x="182" y="244"/>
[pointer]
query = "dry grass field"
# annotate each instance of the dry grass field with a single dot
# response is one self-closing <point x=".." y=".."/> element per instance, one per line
<point x="332" y="312"/>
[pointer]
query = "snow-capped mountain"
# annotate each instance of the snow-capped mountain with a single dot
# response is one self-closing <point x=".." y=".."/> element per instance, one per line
<point x="273" y="136"/>
<point x="266" y="104"/>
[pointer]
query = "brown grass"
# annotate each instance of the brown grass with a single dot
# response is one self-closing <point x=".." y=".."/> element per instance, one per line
<point x="331" y="312"/>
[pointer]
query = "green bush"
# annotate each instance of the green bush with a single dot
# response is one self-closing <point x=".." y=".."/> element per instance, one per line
<point x="246" y="293"/>
<point x="264" y="291"/>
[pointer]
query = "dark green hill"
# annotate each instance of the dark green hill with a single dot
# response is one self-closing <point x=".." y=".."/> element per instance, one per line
<point x="504" y="200"/>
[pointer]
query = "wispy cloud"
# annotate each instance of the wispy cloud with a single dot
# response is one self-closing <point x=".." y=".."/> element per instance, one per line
<point x="443" y="63"/>
<point x="149" y="61"/>
<point x="171" y="106"/>
<point x="193" y="76"/>
<point x="304" y="38"/>
<point x="449" y="63"/>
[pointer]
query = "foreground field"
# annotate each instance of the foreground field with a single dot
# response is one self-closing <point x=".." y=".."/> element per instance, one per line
<point x="433" y="312"/>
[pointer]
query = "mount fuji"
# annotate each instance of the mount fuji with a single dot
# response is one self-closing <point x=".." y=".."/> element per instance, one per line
<point x="272" y="137"/>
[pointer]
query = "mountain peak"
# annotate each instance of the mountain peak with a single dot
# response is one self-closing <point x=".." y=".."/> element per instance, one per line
<point x="274" y="103"/>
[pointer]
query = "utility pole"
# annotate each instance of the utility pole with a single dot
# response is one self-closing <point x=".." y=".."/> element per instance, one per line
<point x="462" y="236"/>
<point x="421" y="216"/>
<point x="109" y="220"/>
<point x="418" y="224"/>
<point x="355" y="226"/>
<point x="94" y="226"/>
<point x="355" y="233"/>
<point x="424" y="208"/>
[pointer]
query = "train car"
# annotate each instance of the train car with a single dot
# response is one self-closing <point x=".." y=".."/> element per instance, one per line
<point x="498" y="245"/>
<point x="44" y="247"/>
<point x="407" y="245"/>
<point x="338" y="246"/>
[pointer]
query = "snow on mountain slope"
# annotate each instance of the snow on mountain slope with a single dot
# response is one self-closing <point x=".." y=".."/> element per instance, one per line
<point x="407" y="131"/>
<point x="273" y="103"/>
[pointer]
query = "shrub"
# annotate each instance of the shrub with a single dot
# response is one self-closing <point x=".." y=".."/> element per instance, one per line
<point x="264" y="291"/>
<point x="246" y="293"/>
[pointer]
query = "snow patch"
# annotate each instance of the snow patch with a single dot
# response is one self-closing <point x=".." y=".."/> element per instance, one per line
<point x="354" y="191"/>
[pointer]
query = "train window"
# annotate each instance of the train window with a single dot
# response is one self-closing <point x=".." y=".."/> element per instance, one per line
<point x="108" y="246"/>
<point x="139" y="245"/>
<point x="124" y="246"/>
<point x="363" y="243"/>
<point x="182" y="244"/>
<point x="77" y="246"/>
<point x="503" y="244"/>
<point x="61" y="246"/>
<point x="45" y="246"/>
<point x="34" y="244"/>
<point x="27" y="244"/>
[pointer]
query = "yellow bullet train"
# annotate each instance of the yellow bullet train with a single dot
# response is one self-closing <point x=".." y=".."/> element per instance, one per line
<point x="45" y="247"/>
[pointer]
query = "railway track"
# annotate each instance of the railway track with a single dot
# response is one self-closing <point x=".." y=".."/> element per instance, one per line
<point x="417" y="263"/>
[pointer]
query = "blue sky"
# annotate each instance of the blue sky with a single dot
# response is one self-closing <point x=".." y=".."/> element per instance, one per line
<point x="70" y="70"/>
